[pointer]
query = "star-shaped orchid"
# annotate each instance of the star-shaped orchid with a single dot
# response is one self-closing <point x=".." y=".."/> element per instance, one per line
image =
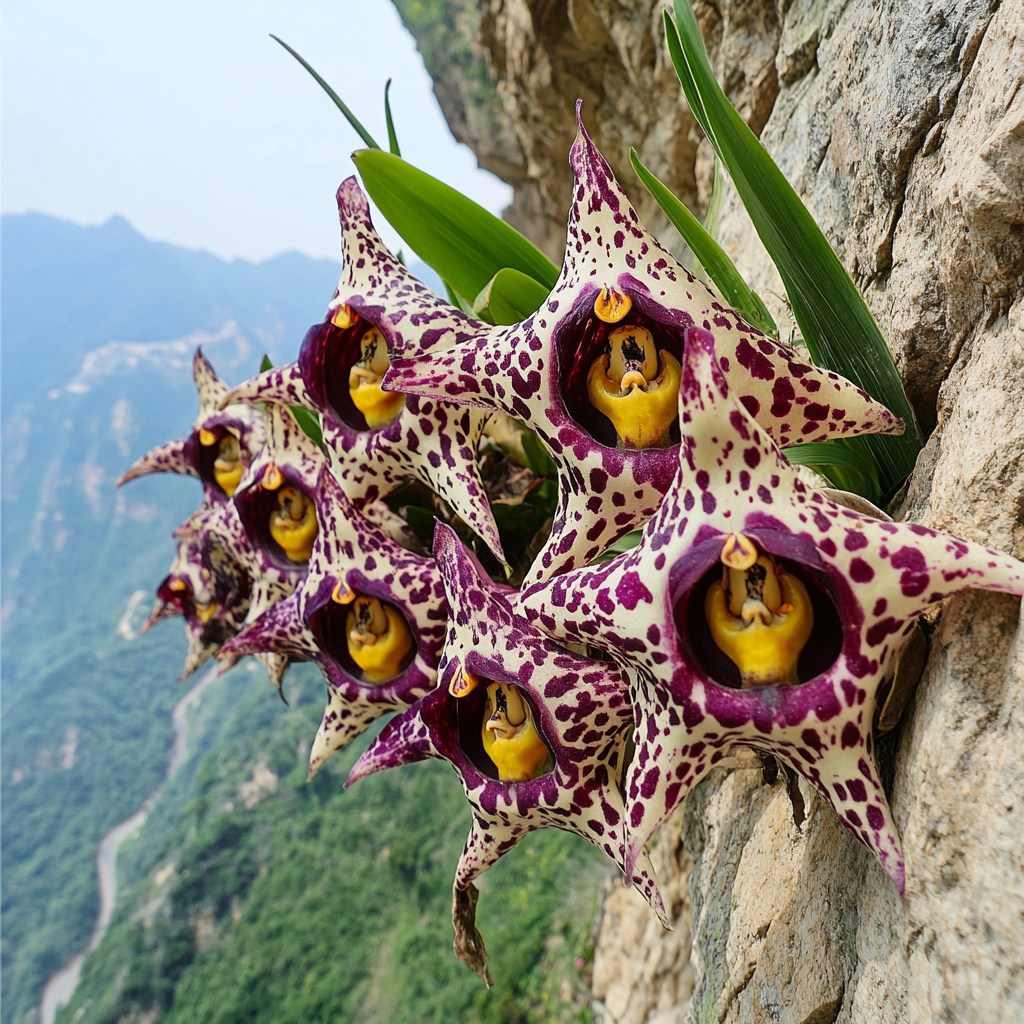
<point x="595" y="371"/>
<point x="758" y="612"/>
<point x="537" y="735"/>
<point x="276" y="512"/>
<point x="222" y="443"/>
<point x="209" y="588"/>
<point x="378" y="441"/>
<point x="365" y="599"/>
<point x="275" y="499"/>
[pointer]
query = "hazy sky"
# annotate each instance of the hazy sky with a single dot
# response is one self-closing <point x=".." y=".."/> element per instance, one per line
<point x="186" y="118"/>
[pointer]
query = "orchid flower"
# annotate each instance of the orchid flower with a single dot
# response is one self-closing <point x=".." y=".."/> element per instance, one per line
<point x="536" y="734"/>
<point x="276" y="510"/>
<point x="275" y="499"/>
<point x="370" y="613"/>
<point x="220" y="446"/>
<point x="379" y="440"/>
<point x="208" y="587"/>
<point x="758" y="612"/>
<point x="595" y="371"/>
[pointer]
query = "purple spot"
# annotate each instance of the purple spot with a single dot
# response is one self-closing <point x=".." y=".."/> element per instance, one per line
<point x="909" y="558"/>
<point x="875" y="818"/>
<point x="782" y="396"/>
<point x="880" y="630"/>
<point x="811" y="738"/>
<point x="754" y="362"/>
<point x="631" y="591"/>
<point x="855" y="540"/>
<point x="858" y="791"/>
<point x="861" y="571"/>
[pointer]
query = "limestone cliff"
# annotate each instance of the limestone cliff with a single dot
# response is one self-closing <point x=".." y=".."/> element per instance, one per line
<point x="902" y="126"/>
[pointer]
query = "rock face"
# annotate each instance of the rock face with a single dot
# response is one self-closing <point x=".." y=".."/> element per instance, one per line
<point x="902" y="127"/>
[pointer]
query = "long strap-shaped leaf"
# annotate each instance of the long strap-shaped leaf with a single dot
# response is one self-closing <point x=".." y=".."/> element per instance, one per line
<point x="711" y="256"/>
<point x="466" y="244"/>
<point x="836" y="324"/>
<point x="335" y="98"/>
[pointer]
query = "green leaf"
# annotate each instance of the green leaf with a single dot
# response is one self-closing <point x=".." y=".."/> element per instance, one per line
<point x="537" y="458"/>
<point x="309" y="421"/>
<point x="843" y="465"/>
<point x="712" y="257"/>
<point x="715" y="203"/>
<point x="461" y="240"/>
<point x="510" y="296"/>
<point x="338" y="102"/>
<point x="392" y="136"/>
<point x="265" y="363"/>
<point x="833" y="317"/>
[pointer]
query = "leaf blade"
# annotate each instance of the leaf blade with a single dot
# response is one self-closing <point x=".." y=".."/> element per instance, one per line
<point x="834" y="319"/>
<point x="712" y="257"/>
<point x="466" y="244"/>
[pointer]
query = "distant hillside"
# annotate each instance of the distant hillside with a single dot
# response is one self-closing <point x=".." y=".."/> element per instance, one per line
<point x="99" y="325"/>
<point x="249" y="895"/>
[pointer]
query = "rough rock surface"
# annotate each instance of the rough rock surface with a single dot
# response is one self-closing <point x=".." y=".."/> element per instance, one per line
<point x="902" y="126"/>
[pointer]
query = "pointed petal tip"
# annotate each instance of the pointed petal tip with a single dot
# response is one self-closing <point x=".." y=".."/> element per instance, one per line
<point x="200" y="364"/>
<point x="360" y="770"/>
<point x="898" y="873"/>
<point x="446" y="540"/>
<point x="352" y="201"/>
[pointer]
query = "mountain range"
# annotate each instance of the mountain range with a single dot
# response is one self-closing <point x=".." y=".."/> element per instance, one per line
<point x="248" y="894"/>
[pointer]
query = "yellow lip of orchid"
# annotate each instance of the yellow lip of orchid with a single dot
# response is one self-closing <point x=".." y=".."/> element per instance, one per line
<point x="378" y="407"/>
<point x="760" y="617"/>
<point x="293" y="524"/>
<point x="510" y="737"/>
<point x="379" y="640"/>
<point x="636" y="386"/>
<point x="228" y="467"/>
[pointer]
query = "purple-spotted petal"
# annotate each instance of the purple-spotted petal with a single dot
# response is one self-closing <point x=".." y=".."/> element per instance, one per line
<point x="870" y="580"/>
<point x="200" y="454"/>
<point x="353" y="557"/>
<point x="433" y="442"/>
<point x="538" y="370"/>
<point x="579" y="707"/>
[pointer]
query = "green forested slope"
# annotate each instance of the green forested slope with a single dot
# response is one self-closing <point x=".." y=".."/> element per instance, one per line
<point x="322" y="905"/>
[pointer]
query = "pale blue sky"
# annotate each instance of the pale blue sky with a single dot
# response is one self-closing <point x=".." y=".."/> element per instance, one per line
<point x="186" y="118"/>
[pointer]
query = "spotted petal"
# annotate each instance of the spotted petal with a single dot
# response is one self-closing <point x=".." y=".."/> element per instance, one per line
<point x="869" y="581"/>
<point x="209" y="587"/>
<point x="579" y="706"/>
<point x="615" y="274"/>
<point x="429" y="441"/>
<point x="198" y="454"/>
<point x="352" y="557"/>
